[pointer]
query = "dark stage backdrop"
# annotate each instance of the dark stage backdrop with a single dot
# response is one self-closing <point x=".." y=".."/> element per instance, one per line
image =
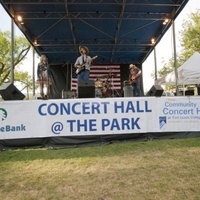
<point x="78" y="141"/>
<point x="61" y="79"/>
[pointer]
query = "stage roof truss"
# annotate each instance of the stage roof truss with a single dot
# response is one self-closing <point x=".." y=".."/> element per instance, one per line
<point x="118" y="31"/>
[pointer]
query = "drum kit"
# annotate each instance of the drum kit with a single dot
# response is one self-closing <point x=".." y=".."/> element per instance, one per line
<point x="103" y="85"/>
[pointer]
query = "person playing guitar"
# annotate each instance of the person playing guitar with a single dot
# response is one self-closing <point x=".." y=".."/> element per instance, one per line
<point x="83" y="63"/>
<point x="134" y="79"/>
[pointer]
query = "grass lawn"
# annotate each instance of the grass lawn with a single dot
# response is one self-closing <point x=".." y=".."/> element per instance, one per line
<point x="158" y="169"/>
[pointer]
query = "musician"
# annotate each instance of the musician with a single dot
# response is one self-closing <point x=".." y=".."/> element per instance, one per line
<point x="43" y="77"/>
<point x="106" y="89"/>
<point x="134" y="79"/>
<point x="83" y="64"/>
<point x="198" y="89"/>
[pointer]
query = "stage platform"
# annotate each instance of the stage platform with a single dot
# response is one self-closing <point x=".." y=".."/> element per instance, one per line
<point x="61" y="123"/>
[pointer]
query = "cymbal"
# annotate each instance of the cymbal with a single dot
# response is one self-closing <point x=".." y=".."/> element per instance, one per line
<point x="108" y="76"/>
<point x="112" y="75"/>
<point x="103" y="76"/>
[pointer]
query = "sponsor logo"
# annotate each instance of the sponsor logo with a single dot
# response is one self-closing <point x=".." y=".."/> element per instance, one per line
<point x="3" y="114"/>
<point x="162" y="121"/>
<point x="9" y="128"/>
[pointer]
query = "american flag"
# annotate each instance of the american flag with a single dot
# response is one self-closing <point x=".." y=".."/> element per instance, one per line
<point x="103" y="73"/>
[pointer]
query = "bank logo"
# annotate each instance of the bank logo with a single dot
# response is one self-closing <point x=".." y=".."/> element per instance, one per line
<point x="3" y="114"/>
<point x="162" y="121"/>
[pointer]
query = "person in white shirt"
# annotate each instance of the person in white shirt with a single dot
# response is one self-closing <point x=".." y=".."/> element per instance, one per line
<point x="44" y="77"/>
<point x="83" y="64"/>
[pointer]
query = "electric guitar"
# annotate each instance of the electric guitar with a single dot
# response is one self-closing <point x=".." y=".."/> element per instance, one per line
<point x="82" y="67"/>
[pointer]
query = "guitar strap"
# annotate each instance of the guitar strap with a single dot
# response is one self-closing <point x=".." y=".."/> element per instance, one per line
<point x="83" y="63"/>
<point x="84" y="59"/>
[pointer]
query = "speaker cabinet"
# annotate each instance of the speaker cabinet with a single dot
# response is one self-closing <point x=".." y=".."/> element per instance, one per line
<point x="86" y="89"/>
<point x="128" y="91"/>
<point x="156" y="90"/>
<point x="9" y="92"/>
<point x="189" y="93"/>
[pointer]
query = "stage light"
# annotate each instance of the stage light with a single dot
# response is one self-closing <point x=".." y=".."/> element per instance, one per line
<point x="165" y="21"/>
<point x="35" y="42"/>
<point x="153" y="41"/>
<point x="20" y="19"/>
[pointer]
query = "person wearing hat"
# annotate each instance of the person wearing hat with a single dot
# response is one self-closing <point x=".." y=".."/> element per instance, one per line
<point x="134" y="79"/>
<point x="83" y="63"/>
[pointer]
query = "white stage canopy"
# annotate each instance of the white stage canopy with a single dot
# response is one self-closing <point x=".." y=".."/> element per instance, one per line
<point x="188" y="73"/>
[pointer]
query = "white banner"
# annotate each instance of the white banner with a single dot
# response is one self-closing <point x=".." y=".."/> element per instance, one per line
<point x="72" y="117"/>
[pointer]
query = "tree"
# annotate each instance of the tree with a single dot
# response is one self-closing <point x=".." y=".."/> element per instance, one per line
<point x="25" y="80"/>
<point x="190" y="35"/>
<point x="21" y="49"/>
<point x="190" y="42"/>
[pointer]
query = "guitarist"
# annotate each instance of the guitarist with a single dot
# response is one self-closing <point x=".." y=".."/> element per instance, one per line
<point x="134" y="79"/>
<point x="83" y="64"/>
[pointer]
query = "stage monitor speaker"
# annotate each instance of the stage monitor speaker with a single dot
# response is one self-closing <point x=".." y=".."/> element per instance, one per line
<point x="86" y="89"/>
<point x="189" y="93"/>
<point x="9" y="92"/>
<point x="156" y="90"/>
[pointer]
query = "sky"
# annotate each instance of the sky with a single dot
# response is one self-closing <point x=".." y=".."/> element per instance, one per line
<point x="164" y="50"/>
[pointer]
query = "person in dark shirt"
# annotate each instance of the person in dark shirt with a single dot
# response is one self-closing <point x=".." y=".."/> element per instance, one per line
<point x="134" y="79"/>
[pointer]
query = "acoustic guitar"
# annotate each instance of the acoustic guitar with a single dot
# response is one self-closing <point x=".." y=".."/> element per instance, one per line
<point x="132" y="79"/>
<point x="82" y="67"/>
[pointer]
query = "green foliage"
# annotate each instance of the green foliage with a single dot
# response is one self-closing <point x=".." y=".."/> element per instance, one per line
<point x="167" y="68"/>
<point x="24" y="78"/>
<point x="190" y="43"/>
<point x="21" y="48"/>
<point x="190" y="35"/>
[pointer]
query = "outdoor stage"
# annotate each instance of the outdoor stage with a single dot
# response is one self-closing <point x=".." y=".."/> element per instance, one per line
<point x="94" y="121"/>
